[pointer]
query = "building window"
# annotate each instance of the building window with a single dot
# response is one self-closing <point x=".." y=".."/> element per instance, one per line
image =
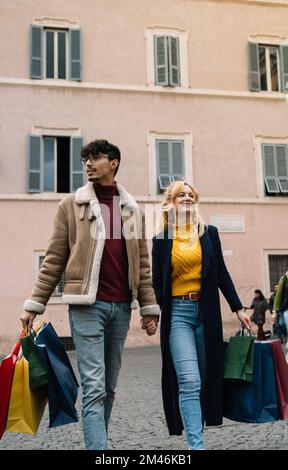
<point x="277" y="267"/>
<point x="55" y="53"/>
<point x="167" y="61"/>
<point x="268" y="67"/>
<point x="275" y="169"/>
<point x="54" y="164"/>
<point x="167" y="57"/>
<point x="269" y="63"/>
<point x="59" y="289"/>
<point x="170" y="162"/>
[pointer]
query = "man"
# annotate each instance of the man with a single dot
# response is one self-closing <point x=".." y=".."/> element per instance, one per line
<point x="280" y="309"/>
<point x="271" y="303"/>
<point x="99" y="240"/>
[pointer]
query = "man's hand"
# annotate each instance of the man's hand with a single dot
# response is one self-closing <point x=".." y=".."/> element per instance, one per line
<point x="149" y="323"/>
<point x="274" y="316"/>
<point x="27" y="319"/>
<point x="244" y="318"/>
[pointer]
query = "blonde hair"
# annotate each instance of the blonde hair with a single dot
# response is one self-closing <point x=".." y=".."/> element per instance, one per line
<point x="170" y="195"/>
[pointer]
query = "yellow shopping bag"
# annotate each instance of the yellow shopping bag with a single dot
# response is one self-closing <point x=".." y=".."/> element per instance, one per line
<point x="26" y="406"/>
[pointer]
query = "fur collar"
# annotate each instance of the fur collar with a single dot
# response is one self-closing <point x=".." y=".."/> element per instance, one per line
<point x="86" y="193"/>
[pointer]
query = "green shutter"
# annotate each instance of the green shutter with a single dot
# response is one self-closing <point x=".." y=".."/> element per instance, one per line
<point x="177" y="157"/>
<point x="163" y="164"/>
<point x="284" y="68"/>
<point x="76" y="167"/>
<point x="254" y="69"/>
<point x="174" y="61"/>
<point x="161" y="60"/>
<point x="281" y="160"/>
<point x="75" y="52"/>
<point x="36" y="51"/>
<point x="269" y="168"/>
<point x="282" y="168"/>
<point x="34" y="165"/>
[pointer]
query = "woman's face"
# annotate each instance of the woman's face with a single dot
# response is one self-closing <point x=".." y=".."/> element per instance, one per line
<point x="184" y="200"/>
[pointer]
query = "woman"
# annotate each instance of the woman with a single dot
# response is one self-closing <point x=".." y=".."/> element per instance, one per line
<point x="188" y="268"/>
<point x="259" y="307"/>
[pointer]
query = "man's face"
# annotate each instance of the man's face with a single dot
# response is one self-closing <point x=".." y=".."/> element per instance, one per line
<point x="100" y="168"/>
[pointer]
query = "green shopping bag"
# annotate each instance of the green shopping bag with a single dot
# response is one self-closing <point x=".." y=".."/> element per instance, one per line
<point x="238" y="358"/>
<point x="38" y="375"/>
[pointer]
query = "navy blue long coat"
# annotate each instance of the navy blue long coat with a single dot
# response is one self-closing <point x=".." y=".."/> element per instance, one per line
<point x="214" y="276"/>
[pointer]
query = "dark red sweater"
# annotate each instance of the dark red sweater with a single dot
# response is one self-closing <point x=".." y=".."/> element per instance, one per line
<point x="113" y="277"/>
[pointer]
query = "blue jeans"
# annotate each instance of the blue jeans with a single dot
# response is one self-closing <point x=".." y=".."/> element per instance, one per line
<point x="188" y="354"/>
<point x="99" y="332"/>
<point x="282" y="325"/>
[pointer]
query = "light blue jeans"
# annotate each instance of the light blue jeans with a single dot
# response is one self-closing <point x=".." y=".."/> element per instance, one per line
<point x="188" y="354"/>
<point x="99" y="332"/>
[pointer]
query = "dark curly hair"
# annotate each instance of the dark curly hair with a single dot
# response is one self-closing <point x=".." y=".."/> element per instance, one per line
<point x="104" y="147"/>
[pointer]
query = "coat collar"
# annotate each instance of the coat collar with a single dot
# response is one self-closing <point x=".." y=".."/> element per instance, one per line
<point x="207" y="253"/>
<point x="86" y="193"/>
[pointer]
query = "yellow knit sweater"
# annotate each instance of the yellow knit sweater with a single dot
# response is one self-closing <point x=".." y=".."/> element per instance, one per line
<point x="186" y="260"/>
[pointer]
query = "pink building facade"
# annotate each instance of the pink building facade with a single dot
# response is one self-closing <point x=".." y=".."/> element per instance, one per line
<point x="187" y="89"/>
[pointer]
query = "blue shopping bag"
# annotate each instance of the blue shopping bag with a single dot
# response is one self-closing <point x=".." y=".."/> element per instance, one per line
<point x="254" y="402"/>
<point x="62" y="383"/>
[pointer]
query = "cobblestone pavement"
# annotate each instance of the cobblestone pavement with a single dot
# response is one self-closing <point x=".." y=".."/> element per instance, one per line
<point x="138" y="422"/>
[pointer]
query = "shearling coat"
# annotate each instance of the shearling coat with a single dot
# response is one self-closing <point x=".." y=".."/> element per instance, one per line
<point x="76" y="247"/>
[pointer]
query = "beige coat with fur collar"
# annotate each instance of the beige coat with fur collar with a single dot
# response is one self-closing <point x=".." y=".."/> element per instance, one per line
<point x="76" y="247"/>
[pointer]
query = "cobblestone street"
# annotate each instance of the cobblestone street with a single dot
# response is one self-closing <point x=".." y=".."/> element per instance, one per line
<point x="138" y="422"/>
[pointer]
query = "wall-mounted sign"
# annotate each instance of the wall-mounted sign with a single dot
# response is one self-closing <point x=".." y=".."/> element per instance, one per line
<point x="228" y="223"/>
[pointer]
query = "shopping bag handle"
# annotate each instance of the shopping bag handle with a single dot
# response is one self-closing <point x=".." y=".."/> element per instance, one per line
<point x="245" y="332"/>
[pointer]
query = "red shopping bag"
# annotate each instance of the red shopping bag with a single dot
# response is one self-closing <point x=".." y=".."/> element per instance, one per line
<point x="7" y="367"/>
<point x="281" y="375"/>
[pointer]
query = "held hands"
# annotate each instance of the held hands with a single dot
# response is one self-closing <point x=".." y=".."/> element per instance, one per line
<point x="244" y="318"/>
<point x="149" y="323"/>
<point x="27" y="319"/>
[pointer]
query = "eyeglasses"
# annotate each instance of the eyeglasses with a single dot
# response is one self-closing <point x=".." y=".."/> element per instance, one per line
<point x="92" y="158"/>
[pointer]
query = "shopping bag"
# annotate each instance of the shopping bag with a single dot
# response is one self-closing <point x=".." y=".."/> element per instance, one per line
<point x="38" y="375"/>
<point x="253" y="402"/>
<point x="26" y="406"/>
<point x="62" y="383"/>
<point x="7" y="367"/>
<point x="238" y="358"/>
<point x="281" y="373"/>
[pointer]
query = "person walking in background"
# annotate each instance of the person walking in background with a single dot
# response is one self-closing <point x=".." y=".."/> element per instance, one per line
<point x="99" y="240"/>
<point x="188" y="268"/>
<point x="259" y="306"/>
<point x="280" y="307"/>
<point x="271" y="303"/>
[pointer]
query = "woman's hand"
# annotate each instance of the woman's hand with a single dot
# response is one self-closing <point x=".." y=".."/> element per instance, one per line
<point x="274" y="316"/>
<point x="244" y="318"/>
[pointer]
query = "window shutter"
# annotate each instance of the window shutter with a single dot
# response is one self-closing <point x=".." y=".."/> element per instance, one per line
<point x="76" y="167"/>
<point x="163" y="166"/>
<point x="75" y="54"/>
<point x="177" y="155"/>
<point x="36" y="51"/>
<point x="284" y="68"/>
<point x="161" y="60"/>
<point x="282" y="167"/>
<point x="270" y="174"/>
<point x="34" y="164"/>
<point x="254" y="72"/>
<point x="174" y="61"/>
